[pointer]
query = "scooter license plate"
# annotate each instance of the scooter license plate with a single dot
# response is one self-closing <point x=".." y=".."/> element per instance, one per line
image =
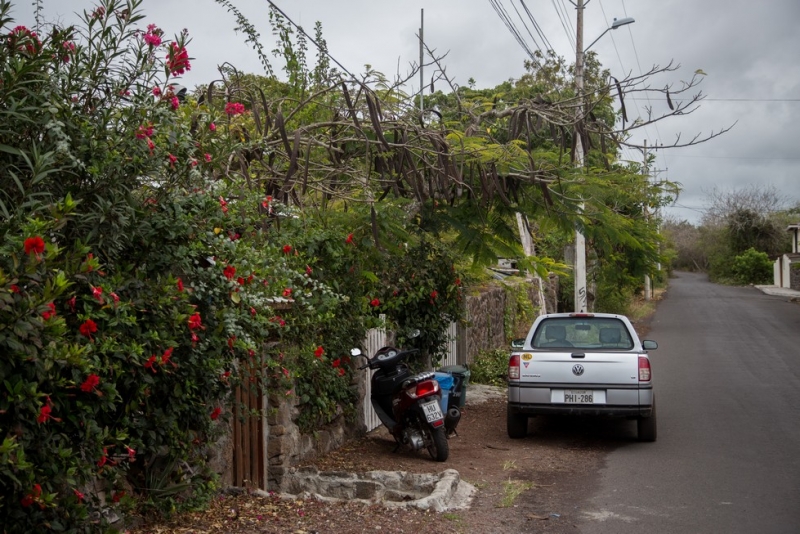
<point x="432" y="411"/>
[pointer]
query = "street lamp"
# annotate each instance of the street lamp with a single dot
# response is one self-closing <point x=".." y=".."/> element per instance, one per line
<point x="581" y="302"/>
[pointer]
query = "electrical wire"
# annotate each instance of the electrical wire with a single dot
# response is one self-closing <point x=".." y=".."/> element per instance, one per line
<point x="563" y="17"/>
<point x="536" y="26"/>
<point x="503" y="14"/>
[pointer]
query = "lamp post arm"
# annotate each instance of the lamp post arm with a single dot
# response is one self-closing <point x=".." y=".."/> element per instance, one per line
<point x="598" y="38"/>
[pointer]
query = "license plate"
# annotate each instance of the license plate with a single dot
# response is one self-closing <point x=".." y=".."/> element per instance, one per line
<point x="432" y="411"/>
<point x="578" y="396"/>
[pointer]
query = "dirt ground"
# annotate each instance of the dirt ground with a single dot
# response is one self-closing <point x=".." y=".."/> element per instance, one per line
<point x="537" y="484"/>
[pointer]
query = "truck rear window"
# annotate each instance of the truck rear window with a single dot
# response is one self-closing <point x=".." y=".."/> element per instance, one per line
<point x="589" y="333"/>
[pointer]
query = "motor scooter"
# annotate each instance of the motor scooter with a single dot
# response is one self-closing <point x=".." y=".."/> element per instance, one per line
<point x="408" y="404"/>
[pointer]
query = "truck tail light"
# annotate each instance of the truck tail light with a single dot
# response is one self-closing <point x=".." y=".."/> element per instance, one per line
<point x="513" y="367"/>
<point x="644" y="369"/>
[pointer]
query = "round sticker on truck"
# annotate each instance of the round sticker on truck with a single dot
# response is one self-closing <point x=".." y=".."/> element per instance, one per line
<point x="527" y="356"/>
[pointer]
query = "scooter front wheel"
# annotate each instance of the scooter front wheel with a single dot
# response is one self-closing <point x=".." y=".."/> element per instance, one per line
<point x="437" y="443"/>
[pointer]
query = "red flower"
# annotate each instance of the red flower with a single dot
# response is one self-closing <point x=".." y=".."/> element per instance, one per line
<point x="231" y="341"/>
<point x="458" y="281"/>
<point x="195" y="322"/>
<point x="90" y="383"/>
<point x="212" y="127"/>
<point x="172" y="159"/>
<point x="34" y="245"/>
<point x="50" y="312"/>
<point x="174" y="102"/>
<point x="180" y="285"/>
<point x="319" y="352"/>
<point x="14" y="288"/>
<point x="103" y="459"/>
<point x="88" y="328"/>
<point x="375" y="303"/>
<point x="234" y="108"/>
<point x="223" y="205"/>
<point x="151" y="145"/>
<point x="131" y="454"/>
<point x="195" y="339"/>
<point x="152" y="39"/>
<point x="114" y="296"/>
<point x="32" y="497"/>
<point x="97" y="293"/>
<point x="240" y="281"/>
<point x="434" y="294"/>
<point x="156" y="91"/>
<point x="178" y="60"/>
<point x="308" y="270"/>
<point x="287" y="249"/>
<point x="278" y="319"/>
<point x="150" y="363"/>
<point x="341" y="371"/>
<point x="44" y="414"/>
<point x="166" y="356"/>
<point x="287" y="292"/>
<point x="336" y="363"/>
<point x="117" y="496"/>
<point x="215" y="414"/>
<point x="252" y="311"/>
<point x="229" y="272"/>
<point x="71" y="302"/>
<point x="207" y="157"/>
<point x="78" y="494"/>
<point x="349" y="238"/>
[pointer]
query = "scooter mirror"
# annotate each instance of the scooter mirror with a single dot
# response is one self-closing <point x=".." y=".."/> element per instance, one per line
<point x="355" y="352"/>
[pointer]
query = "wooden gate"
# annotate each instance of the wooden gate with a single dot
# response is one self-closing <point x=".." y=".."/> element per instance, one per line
<point x="249" y="437"/>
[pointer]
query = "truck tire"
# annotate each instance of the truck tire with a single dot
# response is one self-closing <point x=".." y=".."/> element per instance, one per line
<point x="646" y="426"/>
<point x="516" y="424"/>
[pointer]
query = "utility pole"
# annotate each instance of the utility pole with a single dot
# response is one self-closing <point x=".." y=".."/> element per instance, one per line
<point x="421" y="59"/>
<point x="581" y="302"/>
<point x="647" y="284"/>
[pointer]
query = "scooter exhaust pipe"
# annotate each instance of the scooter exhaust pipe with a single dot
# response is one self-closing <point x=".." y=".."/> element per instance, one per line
<point x="451" y="420"/>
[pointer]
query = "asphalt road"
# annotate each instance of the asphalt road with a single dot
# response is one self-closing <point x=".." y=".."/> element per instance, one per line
<point x="727" y="459"/>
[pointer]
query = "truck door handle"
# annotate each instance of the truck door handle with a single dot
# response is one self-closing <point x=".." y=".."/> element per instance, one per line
<point x="578" y="355"/>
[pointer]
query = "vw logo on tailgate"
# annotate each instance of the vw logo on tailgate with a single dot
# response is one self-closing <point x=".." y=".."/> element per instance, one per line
<point x="577" y="369"/>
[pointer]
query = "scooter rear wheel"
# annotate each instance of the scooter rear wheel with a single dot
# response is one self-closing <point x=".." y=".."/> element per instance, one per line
<point x="437" y="443"/>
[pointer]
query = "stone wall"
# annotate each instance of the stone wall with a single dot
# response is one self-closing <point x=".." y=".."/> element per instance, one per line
<point x="794" y="274"/>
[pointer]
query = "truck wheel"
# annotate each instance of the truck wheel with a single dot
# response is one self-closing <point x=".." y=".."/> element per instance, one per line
<point x="516" y="424"/>
<point x="437" y="443"/>
<point x="646" y="426"/>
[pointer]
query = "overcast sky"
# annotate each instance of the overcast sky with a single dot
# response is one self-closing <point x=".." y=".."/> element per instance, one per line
<point x="749" y="51"/>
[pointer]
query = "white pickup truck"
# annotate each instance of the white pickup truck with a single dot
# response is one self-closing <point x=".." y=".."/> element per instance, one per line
<point x="584" y="364"/>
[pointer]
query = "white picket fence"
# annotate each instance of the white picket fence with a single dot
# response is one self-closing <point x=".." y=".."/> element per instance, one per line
<point x="376" y="338"/>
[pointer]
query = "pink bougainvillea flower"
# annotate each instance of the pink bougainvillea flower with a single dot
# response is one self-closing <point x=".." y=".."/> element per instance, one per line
<point x="375" y="303"/>
<point x="156" y="91"/>
<point x="178" y="60"/>
<point x="336" y="363"/>
<point x="287" y="249"/>
<point x="34" y="245"/>
<point x="44" y="414"/>
<point x="91" y="383"/>
<point x="88" y="328"/>
<point x="319" y="352"/>
<point x="215" y="413"/>
<point x="195" y="322"/>
<point x="287" y="292"/>
<point x="207" y="157"/>
<point x="174" y="102"/>
<point x="50" y="312"/>
<point x="180" y="285"/>
<point x="234" y="108"/>
<point x="229" y="272"/>
<point x="212" y="127"/>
